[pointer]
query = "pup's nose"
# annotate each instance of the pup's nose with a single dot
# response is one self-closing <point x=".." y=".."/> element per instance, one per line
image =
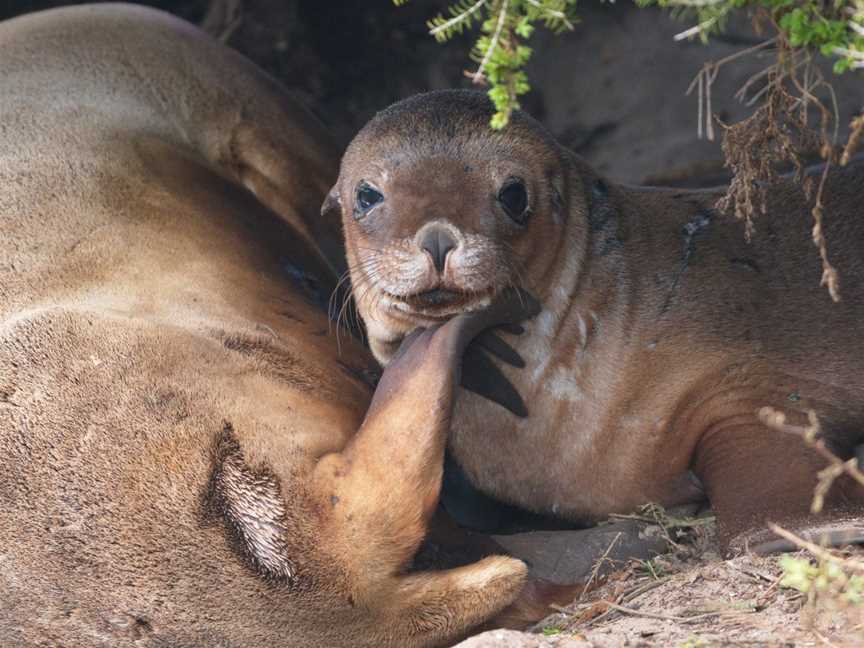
<point x="438" y="242"/>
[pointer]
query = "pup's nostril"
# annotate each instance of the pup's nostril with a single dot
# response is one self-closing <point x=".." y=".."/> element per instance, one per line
<point x="438" y="242"/>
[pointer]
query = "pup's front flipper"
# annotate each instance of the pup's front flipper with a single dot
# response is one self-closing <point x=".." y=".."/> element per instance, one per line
<point x="482" y="376"/>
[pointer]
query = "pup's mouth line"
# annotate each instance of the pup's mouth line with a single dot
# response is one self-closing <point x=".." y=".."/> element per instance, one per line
<point x="440" y="303"/>
<point x="437" y="297"/>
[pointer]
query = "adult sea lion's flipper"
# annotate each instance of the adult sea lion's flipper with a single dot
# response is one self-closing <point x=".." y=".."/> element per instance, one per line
<point x="380" y="492"/>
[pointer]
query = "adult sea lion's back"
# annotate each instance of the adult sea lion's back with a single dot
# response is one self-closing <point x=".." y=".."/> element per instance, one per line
<point x="120" y="76"/>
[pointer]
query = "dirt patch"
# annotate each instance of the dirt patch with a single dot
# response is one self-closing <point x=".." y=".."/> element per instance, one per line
<point x="691" y="598"/>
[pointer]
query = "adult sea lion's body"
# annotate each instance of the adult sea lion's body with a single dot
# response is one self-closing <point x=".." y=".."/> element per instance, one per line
<point x="663" y="333"/>
<point x="180" y="462"/>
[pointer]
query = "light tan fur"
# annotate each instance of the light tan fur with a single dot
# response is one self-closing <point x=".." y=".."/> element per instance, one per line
<point x="180" y="461"/>
<point x="662" y="332"/>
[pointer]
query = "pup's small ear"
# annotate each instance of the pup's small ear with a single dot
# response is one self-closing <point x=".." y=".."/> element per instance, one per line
<point x="559" y="192"/>
<point x="332" y="206"/>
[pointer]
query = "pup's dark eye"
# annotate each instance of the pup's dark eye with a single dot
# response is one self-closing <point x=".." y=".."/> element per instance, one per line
<point x="514" y="199"/>
<point x="367" y="197"/>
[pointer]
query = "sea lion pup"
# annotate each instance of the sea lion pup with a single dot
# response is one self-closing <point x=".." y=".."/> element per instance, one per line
<point x="184" y="456"/>
<point x="663" y="333"/>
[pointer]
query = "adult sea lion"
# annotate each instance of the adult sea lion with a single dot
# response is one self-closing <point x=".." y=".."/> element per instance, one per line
<point x="185" y="459"/>
<point x="663" y="333"/>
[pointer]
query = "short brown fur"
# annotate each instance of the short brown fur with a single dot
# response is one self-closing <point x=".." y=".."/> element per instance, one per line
<point x="180" y="460"/>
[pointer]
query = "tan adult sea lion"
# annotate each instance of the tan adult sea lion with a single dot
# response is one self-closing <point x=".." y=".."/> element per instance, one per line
<point x="663" y="333"/>
<point x="185" y="458"/>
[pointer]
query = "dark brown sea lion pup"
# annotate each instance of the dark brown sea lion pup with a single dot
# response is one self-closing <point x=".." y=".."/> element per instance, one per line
<point x="184" y="458"/>
<point x="663" y="332"/>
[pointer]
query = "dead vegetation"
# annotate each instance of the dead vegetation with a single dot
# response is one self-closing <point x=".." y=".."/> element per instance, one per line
<point x="795" y="121"/>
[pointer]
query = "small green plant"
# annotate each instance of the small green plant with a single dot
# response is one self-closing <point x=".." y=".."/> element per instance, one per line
<point x="652" y="569"/>
<point x="500" y="51"/>
<point x="827" y="576"/>
<point x="694" y="642"/>
<point x="551" y="631"/>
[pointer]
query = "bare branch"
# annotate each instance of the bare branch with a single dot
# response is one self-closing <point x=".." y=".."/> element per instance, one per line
<point x="455" y="20"/>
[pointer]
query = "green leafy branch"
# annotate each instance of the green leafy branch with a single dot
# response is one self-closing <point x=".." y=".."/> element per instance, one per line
<point x="835" y="29"/>
<point x="500" y="51"/>
<point x="832" y="28"/>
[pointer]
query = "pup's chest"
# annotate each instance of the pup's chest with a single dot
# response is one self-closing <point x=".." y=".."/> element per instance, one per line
<point x="594" y="442"/>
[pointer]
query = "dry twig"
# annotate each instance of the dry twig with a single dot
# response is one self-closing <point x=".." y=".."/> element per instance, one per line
<point x="821" y="553"/>
<point x="223" y="18"/>
<point x="598" y="564"/>
<point x="778" y="131"/>
<point x="857" y="126"/>
<point x="479" y="77"/>
<point x="776" y="420"/>
<point x="662" y="617"/>
<point x="705" y="79"/>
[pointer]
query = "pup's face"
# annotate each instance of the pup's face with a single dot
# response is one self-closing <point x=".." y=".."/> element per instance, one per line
<point x="440" y="214"/>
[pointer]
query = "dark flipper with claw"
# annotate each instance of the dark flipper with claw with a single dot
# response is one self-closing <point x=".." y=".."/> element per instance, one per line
<point x="483" y="377"/>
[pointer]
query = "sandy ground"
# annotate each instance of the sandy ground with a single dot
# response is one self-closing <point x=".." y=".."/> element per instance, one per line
<point x="691" y="598"/>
